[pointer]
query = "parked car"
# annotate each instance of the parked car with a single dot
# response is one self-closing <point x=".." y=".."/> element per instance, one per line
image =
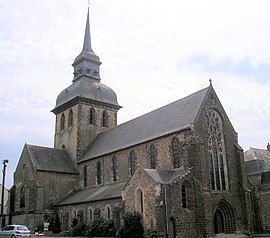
<point x="15" y="231"/>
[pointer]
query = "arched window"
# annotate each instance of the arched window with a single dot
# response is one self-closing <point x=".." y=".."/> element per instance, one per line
<point x="176" y="152"/>
<point x="91" y="214"/>
<point x="92" y="116"/>
<point x="184" y="192"/>
<point x="85" y="176"/>
<point x="217" y="155"/>
<point x="139" y="201"/>
<point x="74" y="214"/>
<point x="62" y="122"/>
<point x="22" y="197"/>
<point x="114" y="169"/>
<point x="99" y="172"/>
<point x="105" y="119"/>
<point x="70" y="118"/>
<point x="132" y="162"/>
<point x="153" y="157"/>
<point x="108" y="213"/>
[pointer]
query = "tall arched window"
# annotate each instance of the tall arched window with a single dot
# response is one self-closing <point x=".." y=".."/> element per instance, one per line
<point x="105" y="119"/>
<point x="108" y="213"/>
<point x="175" y="152"/>
<point x="85" y="176"/>
<point x="91" y="216"/>
<point x="62" y="122"/>
<point x="74" y="214"/>
<point x="99" y="172"/>
<point x="92" y="116"/>
<point x="217" y="155"/>
<point x="153" y="157"/>
<point x="132" y="162"/>
<point x="70" y="118"/>
<point x="114" y="169"/>
<point x="184" y="192"/>
<point x="139" y="201"/>
<point x="22" y="197"/>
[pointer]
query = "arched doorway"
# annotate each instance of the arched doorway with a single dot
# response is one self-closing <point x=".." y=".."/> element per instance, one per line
<point x="224" y="221"/>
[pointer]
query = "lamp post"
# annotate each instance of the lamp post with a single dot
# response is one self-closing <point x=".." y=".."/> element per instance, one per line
<point x="5" y="161"/>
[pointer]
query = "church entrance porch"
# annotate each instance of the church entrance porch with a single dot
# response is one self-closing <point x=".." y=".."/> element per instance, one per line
<point x="224" y="221"/>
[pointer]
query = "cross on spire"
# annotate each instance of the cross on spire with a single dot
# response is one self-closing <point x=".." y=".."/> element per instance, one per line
<point x="210" y="80"/>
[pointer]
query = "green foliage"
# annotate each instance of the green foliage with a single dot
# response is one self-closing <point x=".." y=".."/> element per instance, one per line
<point x="39" y="228"/>
<point x="54" y="225"/>
<point x="74" y="222"/>
<point x="80" y="230"/>
<point x="132" y="226"/>
<point x="101" y="227"/>
<point x="148" y="233"/>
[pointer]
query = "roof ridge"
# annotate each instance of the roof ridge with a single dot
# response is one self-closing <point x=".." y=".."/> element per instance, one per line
<point x="133" y="119"/>
<point x="44" y="147"/>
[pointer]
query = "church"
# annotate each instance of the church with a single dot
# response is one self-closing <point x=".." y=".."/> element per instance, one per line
<point x="180" y="165"/>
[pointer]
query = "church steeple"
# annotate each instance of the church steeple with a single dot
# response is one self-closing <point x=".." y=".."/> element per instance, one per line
<point x="87" y="62"/>
<point x="87" y="47"/>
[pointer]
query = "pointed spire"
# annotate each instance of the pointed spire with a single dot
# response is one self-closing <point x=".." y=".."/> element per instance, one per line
<point x="87" y="47"/>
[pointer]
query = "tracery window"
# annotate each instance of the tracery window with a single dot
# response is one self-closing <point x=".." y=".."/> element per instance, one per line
<point x="99" y="172"/>
<point x="62" y="121"/>
<point x="139" y="201"/>
<point x="184" y="192"/>
<point x="85" y="176"/>
<point x="70" y="118"/>
<point x="114" y="169"/>
<point x="175" y="152"/>
<point x="153" y="157"/>
<point x="92" y="116"/>
<point x="132" y="162"/>
<point x="22" y="197"/>
<point x="216" y="147"/>
<point x="105" y="119"/>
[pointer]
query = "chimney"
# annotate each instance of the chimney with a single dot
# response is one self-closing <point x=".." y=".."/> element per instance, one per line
<point x="268" y="146"/>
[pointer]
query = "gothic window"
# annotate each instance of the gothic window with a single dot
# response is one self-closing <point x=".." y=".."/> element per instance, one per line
<point x="74" y="214"/>
<point x="22" y="197"/>
<point x="92" y="116"/>
<point x="70" y="118"/>
<point x="175" y="152"/>
<point x="108" y="213"/>
<point x="139" y="201"/>
<point x="62" y="122"/>
<point x="99" y="172"/>
<point x="132" y="162"/>
<point x="184" y="192"/>
<point x="153" y="157"/>
<point x="85" y="176"/>
<point x="114" y="169"/>
<point x="90" y="214"/>
<point x="105" y="119"/>
<point x="216" y="148"/>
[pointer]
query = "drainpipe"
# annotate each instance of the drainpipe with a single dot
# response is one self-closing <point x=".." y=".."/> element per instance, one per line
<point x="166" y="210"/>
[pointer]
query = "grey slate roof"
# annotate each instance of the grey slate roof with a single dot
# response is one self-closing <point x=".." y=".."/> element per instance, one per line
<point x="51" y="159"/>
<point x="173" y="117"/>
<point x="167" y="176"/>
<point x="109" y="191"/>
<point x="254" y="166"/>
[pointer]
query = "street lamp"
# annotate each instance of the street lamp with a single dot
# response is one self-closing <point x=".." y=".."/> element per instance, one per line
<point x="5" y="161"/>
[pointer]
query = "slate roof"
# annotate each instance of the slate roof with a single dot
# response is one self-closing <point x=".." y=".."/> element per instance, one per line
<point x="173" y="117"/>
<point x="109" y="191"/>
<point x="51" y="159"/>
<point x="167" y="176"/>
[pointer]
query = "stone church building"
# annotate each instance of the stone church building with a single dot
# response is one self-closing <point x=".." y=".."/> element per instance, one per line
<point x="180" y="165"/>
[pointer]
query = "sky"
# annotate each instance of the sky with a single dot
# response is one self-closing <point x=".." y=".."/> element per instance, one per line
<point x="153" y="52"/>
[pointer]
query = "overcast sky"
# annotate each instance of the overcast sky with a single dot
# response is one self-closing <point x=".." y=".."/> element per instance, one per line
<point x="153" y="52"/>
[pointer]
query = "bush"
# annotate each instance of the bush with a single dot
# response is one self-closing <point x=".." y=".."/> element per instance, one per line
<point x="80" y="230"/>
<point x="101" y="227"/>
<point x="132" y="226"/>
<point x="148" y="233"/>
<point x="39" y="228"/>
<point x="54" y="225"/>
<point x="74" y="222"/>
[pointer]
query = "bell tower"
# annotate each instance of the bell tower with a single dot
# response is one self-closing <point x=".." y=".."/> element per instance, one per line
<point x="87" y="107"/>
